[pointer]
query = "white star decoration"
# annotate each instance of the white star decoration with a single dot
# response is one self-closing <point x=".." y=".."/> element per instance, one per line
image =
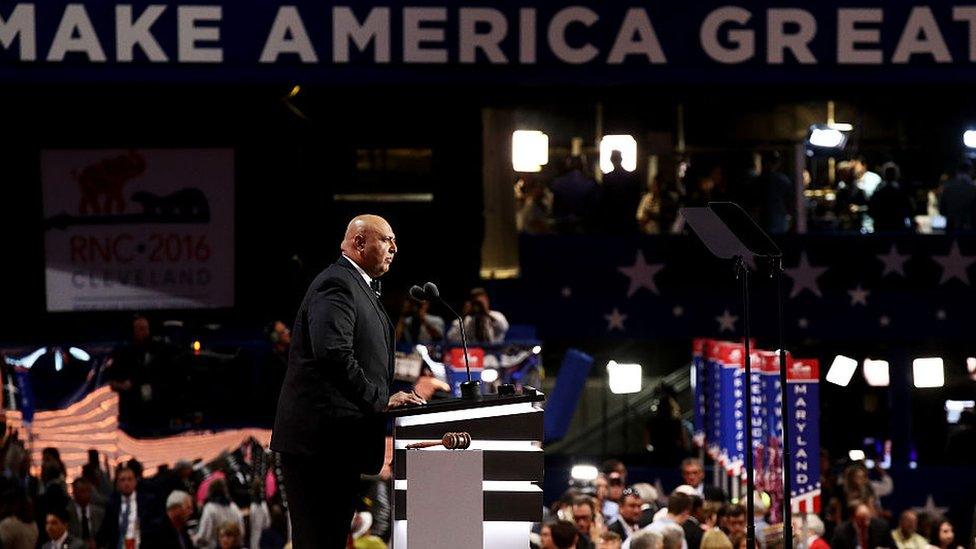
<point x="804" y="277"/>
<point x="930" y="508"/>
<point x="954" y="265"/>
<point x="615" y="320"/>
<point x="641" y="274"/>
<point x="859" y="296"/>
<point x="893" y="262"/>
<point x="726" y="322"/>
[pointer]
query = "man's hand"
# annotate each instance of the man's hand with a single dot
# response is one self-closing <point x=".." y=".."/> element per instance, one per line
<point x="402" y="398"/>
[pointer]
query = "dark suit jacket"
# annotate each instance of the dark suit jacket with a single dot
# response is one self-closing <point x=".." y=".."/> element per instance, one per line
<point x="617" y="526"/>
<point x="168" y="537"/>
<point x="96" y="514"/>
<point x="845" y="536"/>
<point x="69" y="543"/>
<point x="340" y="369"/>
<point x="149" y="514"/>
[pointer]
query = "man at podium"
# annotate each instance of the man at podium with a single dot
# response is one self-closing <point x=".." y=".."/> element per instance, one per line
<point x="328" y="428"/>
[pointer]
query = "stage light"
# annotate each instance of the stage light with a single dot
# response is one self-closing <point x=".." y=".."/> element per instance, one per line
<point x="928" y="372"/>
<point x="841" y="370"/>
<point x="969" y="138"/>
<point x="58" y="360"/>
<point x="80" y="354"/>
<point x="826" y="137"/>
<point x="627" y="146"/>
<point x="537" y="349"/>
<point x="971" y="367"/>
<point x="489" y="375"/>
<point x="28" y="360"/>
<point x="955" y="408"/>
<point x="196" y="347"/>
<point x="876" y="373"/>
<point x="625" y="378"/>
<point x="530" y="150"/>
<point x="586" y="473"/>
<point x="856" y="455"/>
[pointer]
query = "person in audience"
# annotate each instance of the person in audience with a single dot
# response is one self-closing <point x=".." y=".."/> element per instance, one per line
<point x="693" y="473"/>
<point x="772" y="195"/>
<point x="609" y="540"/>
<point x="621" y="193"/>
<point x="272" y="371"/>
<point x="54" y="494"/>
<point x="575" y="197"/>
<point x="906" y="536"/>
<point x="709" y="515"/>
<point x="859" y="488"/>
<point x="131" y="514"/>
<point x="862" y="530"/>
<point x="56" y="526"/>
<point x="275" y="536"/>
<point x="715" y="538"/>
<point x="814" y="530"/>
<point x="610" y="509"/>
<point x="417" y="325"/>
<point x="864" y="179"/>
<point x="84" y="517"/>
<point x="217" y="510"/>
<point x="173" y="532"/>
<point x="890" y="206"/>
<point x="649" y="506"/>
<point x="562" y="535"/>
<point x="669" y="521"/>
<point x="646" y="540"/>
<point x="629" y="521"/>
<point x="692" y="525"/>
<point x="481" y="322"/>
<point x="734" y="519"/>
<point x="943" y="536"/>
<point x="584" y="515"/>
<point x="18" y="530"/>
<point x="230" y="535"/>
<point x="957" y="200"/>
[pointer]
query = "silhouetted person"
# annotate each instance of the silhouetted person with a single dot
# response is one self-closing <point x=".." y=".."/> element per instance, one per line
<point x="621" y="196"/>
<point x="958" y="199"/>
<point x="890" y="206"/>
<point x="773" y="195"/>
<point x="574" y="194"/>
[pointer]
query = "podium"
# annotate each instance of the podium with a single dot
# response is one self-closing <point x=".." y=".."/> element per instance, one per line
<point x="487" y="495"/>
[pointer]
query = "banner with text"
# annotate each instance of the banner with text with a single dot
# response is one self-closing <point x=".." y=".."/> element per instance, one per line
<point x="138" y="229"/>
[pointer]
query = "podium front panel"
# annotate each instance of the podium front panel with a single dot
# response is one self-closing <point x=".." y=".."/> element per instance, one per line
<point x="508" y="436"/>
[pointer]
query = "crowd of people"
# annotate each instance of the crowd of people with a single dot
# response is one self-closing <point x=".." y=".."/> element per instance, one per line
<point x="610" y="514"/>
<point x="858" y="197"/>
<point x="481" y="323"/>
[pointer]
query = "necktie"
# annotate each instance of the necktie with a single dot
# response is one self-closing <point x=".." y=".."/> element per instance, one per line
<point x="85" y="528"/>
<point x="124" y="524"/>
<point x="377" y="286"/>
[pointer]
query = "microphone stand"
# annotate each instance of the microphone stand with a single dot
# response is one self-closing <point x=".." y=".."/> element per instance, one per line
<point x="470" y="389"/>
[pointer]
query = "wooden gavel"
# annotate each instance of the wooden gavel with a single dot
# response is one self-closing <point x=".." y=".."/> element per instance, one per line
<point x="451" y="441"/>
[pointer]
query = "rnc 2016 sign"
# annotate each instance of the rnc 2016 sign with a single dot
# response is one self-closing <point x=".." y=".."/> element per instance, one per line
<point x="138" y="229"/>
<point x="519" y="41"/>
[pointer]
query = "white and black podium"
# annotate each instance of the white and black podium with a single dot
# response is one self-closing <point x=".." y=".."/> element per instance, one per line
<point x="485" y="496"/>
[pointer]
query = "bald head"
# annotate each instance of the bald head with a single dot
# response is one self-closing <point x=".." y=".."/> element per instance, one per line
<point x="370" y="242"/>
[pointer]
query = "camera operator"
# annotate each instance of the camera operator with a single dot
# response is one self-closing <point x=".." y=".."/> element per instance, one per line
<point x="481" y="323"/>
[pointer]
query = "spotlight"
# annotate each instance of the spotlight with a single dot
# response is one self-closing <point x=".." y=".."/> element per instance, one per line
<point x="586" y="473"/>
<point x="537" y="349"/>
<point x="627" y="146"/>
<point x="80" y="354"/>
<point x="489" y="375"/>
<point x="928" y="372"/>
<point x="969" y="138"/>
<point x="530" y="150"/>
<point x="58" y="360"/>
<point x="971" y="367"/>
<point x="856" y="455"/>
<point x="876" y="373"/>
<point x="624" y="378"/>
<point x="196" y="347"/>
<point x="827" y="138"/>
<point x="841" y="370"/>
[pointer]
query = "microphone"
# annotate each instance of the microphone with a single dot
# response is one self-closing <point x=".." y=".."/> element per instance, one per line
<point x="470" y="389"/>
